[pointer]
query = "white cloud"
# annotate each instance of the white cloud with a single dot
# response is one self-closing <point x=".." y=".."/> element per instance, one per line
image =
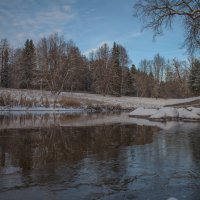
<point x="27" y="19"/>
<point x="122" y="39"/>
<point x="130" y="36"/>
<point x="87" y="52"/>
<point x="55" y="14"/>
<point x="43" y="18"/>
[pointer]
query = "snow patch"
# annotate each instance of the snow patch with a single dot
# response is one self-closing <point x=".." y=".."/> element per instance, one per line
<point x="186" y="114"/>
<point x="143" y="112"/>
<point x="167" y="112"/>
<point x="194" y="110"/>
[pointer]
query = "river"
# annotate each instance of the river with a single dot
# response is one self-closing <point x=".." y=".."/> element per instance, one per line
<point x="97" y="156"/>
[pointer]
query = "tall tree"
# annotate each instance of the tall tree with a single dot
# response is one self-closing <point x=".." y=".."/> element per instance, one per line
<point x="133" y="87"/>
<point x="194" y="78"/>
<point x="159" y="14"/>
<point x="126" y="84"/>
<point x="158" y="73"/>
<point x="28" y="65"/>
<point x="101" y="70"/>
<point x="16" y="66"/>
<point x="116" y="71"/>
<point x="77" y="65"/>
<point x="56" y="61"/>
<point x="4" y="63"/>
<point x="175" y="79"/>
<point x="5" y="70"/>
<point x="125" y="73"/>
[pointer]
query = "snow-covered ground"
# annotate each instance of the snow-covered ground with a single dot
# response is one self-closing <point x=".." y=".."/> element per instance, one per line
<point x="95" y="99"/>
<point x="131" y="102"/>
<point x="190" y="113"/>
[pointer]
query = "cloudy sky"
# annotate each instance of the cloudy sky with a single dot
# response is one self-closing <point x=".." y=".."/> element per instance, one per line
<point x="89" y="23"/>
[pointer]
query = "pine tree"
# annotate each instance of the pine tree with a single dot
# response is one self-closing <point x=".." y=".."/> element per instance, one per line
<point x="133" y="74"/>
<point x="116" y="71"/>
<point x="126" y="81"/>
<point x="4" y="65"/>
<point x="32" y="63"/>
<point x="28" y="65"/>
<point x="5" y="70"/>
<point x="194" y="78"/>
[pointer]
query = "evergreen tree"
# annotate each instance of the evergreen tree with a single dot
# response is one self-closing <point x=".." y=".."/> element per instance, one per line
<point x="5" y="69"/>
<point x="133" y="74"/>
<point x="194" y="78"/>
<point x="28" y="65"/>
<point x="126" y="82"/>
<point x="116" y="71"/>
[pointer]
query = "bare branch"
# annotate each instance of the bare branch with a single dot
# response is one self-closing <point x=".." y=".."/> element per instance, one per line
<point x="160" y="14"/>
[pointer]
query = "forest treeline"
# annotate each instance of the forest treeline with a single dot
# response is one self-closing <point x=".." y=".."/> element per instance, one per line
<point x="58" y="65"/>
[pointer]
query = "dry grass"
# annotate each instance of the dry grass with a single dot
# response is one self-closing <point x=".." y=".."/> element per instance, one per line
<point x="26" y="102"/>
<point x="69" y="102"/>
<point x="7" y="100"/>
<point x="102" y="107"/>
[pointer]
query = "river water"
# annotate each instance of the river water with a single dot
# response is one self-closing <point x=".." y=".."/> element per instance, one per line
<point x="97" y="156"/>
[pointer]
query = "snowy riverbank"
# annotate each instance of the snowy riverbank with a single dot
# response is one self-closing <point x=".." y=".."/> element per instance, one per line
<point x="17" y="99"/>
<point x="168" y="113"/>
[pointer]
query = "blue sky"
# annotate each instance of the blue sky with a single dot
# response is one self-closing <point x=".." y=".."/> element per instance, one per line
<point x="89" y="23"/>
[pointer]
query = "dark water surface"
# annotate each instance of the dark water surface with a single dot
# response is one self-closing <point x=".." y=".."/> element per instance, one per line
<point x="97" y="156"/>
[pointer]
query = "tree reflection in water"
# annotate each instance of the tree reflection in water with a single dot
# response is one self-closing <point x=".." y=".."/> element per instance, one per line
<point x="32" y="148"/>
<point x="101" y="160"/>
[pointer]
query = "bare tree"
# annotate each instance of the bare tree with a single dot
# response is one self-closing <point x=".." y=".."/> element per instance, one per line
<point x="175" y="83"/>
<point x="52" y="63"/>
<point x="146" y="66"/>
<point x="158" y="69"/>
<point x="159" y="14"/>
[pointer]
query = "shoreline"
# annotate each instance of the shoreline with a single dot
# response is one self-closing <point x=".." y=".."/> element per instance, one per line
<point x="32" y="101"/>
